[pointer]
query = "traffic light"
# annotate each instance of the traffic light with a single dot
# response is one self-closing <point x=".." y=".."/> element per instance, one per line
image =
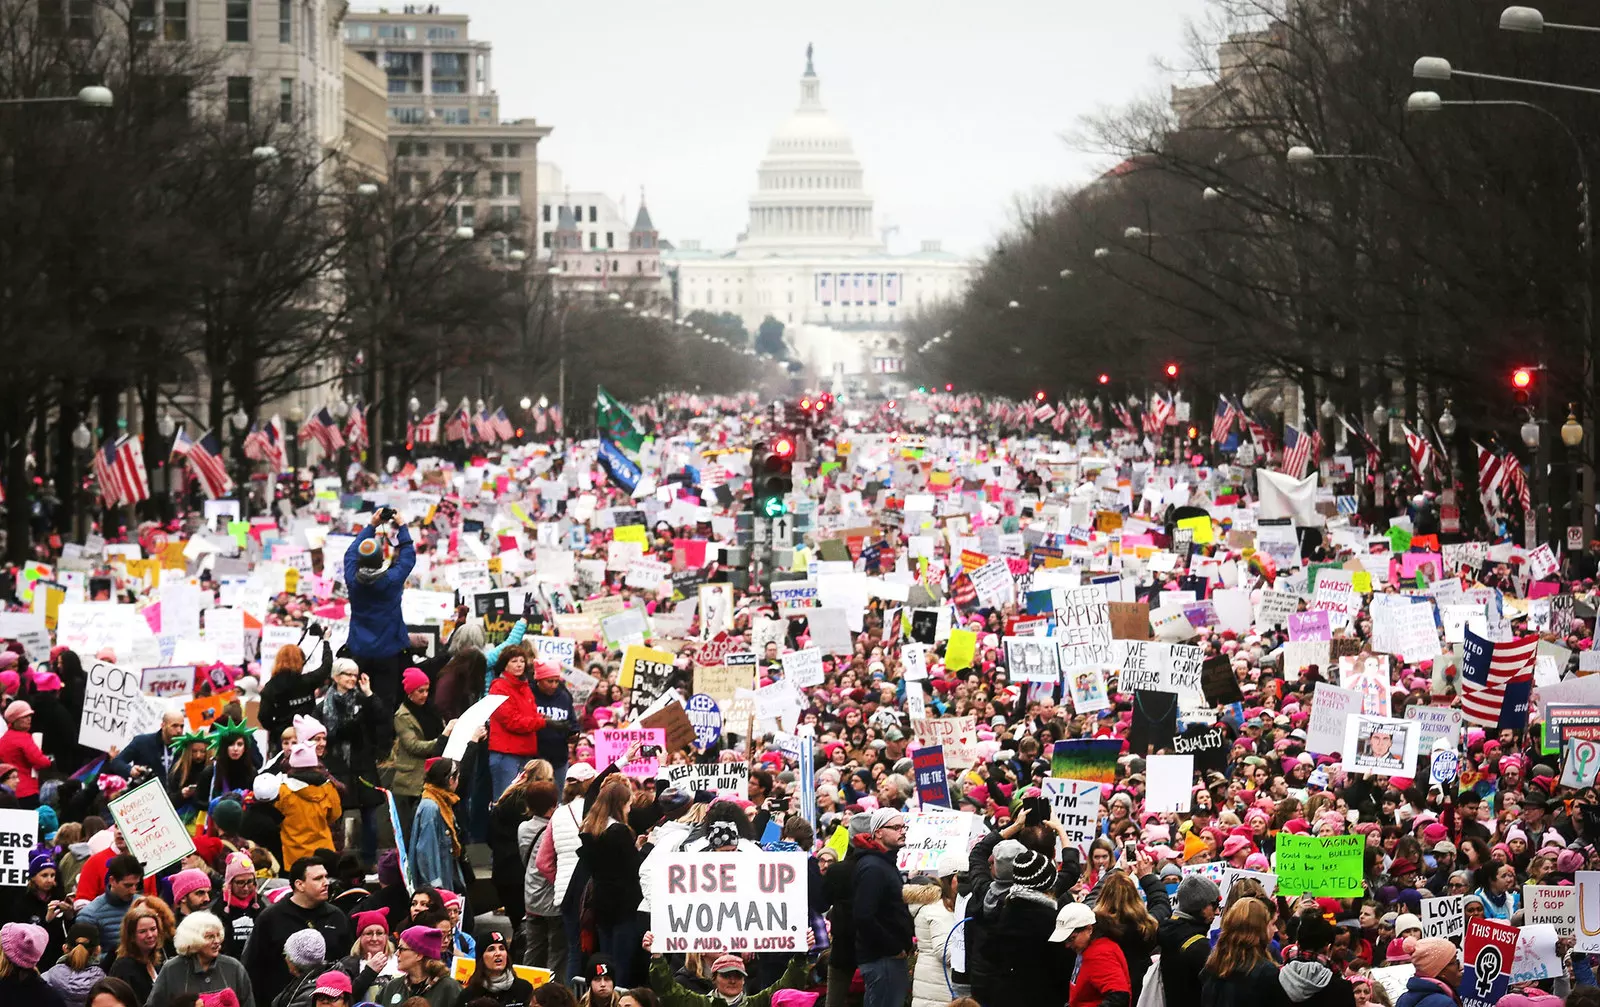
<point x="1105" y="379"/>
<point x="1038" y="396"/>
<point x="1521" y="385"/>
<point x="1172" y="375"/>
<point x="772" y="475"/>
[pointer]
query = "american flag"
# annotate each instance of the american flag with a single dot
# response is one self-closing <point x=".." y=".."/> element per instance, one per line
<point x="1493" y="672"/>
<point x="1515" y="482"/>
<point x="322" y="427"/>
<point x="1223" y="423"/>
<point x="555" y="418"/>
<point x="266" y="444"/>
<point x="1124" y="417"/>
<point x="1044" y="412"/>
<point x="355" y="427"/>
<point x="1084" y="415"/>
<point x="540" y="421"/>
<point x="424" y="430"/>
<point x="459" y="426"/>
<point x="119" y="469"/>
<point x="502" y="424"/>
<point x="1059" y="423"/>
<point x="1421" y="451"/>
<point x="1370" y="446"/>
<point x="1299" y="450"/>
<point x="204" y="457"/>
<point x="1162" y="409"/>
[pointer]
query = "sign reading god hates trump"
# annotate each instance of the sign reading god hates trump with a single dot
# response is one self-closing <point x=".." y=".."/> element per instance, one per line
<point x="715" y="902"/>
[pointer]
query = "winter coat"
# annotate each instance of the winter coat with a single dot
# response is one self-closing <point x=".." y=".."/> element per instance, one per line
<point x="147" y="750"/>
<point x="308" y="816"/>
<point x="613" y="863"/>
<point x="560" y="722"/>
<point x="73" y="986"/>
<point x="1136" y="951"/>
<point x="377" y="626"/>
<point x="237" y="924"/>
<point x="291" y="693"/>
<point x="181" y="974"/>
<point x="107" y="915"/>
<point x="673" y="994"/>
<point x="24" y="986"/>
<point x="1026" y="965"/>
<point x="1424" y="992"/>
<point x="28" y="906"/>
<point x="980" y="878"/>
<point x="929" y="985"/>
<point x="515" y="724"/>
<point x="1185" y="945"/>
<point x="433" y="857"/>
<point x="838" y="887"/>
<point x="883" y="923"/>
<point x="1102" y="976"/>
<point x="538" y="886"/>
<point x="18" y="749"/>
<point x="263" y="954"/>
<point x="507" y="865"/>
<point x="558" y="851"/>
<point x="1257" y="988"/>
<point x="1313" y="984"/>
<point x="355" y="721"/>
<point x="411" y="752"/>
<point x="443" y="993"/>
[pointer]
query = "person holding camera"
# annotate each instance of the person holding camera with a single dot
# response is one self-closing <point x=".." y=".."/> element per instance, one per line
<point x="376" y="580"/>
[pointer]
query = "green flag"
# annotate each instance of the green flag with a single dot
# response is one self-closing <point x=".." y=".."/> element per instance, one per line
<point x="616" y="423"/>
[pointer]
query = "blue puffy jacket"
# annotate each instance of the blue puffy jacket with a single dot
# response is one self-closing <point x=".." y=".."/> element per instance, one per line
<point x="377" y="628"/>
<point x="1424" y="992"/>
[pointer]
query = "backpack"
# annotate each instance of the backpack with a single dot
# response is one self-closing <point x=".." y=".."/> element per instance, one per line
<point x="1153" y="994"/>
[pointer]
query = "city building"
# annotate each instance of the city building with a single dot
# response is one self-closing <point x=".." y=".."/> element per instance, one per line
<point x="444" y="116"/>
<point x="366" y="118"/>
<point x="598" y="247"/>
<point x="812" y="257"/>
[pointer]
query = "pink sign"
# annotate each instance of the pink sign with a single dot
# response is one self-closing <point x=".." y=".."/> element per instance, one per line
<point x="1542" y="588"/>
<point x="1309" y="626"/>
<point x="612" y="743"/>
<point x="1411" y="562"/>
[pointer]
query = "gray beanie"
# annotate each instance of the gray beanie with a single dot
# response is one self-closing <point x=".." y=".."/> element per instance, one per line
<point x="1006" y="853"/>
<point x="305" y="948"/>
<point x="1195" y="893"/>
<point x="860" y="824"/>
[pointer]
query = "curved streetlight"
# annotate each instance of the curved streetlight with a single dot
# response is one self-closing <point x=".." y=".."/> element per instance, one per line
<point x="517" y="255"/>
<point x="1211" y="194"/>
<point x="166" y="426"/>
<point x="1447" y="421"/>
<point x="1439" y="68"/>
<point x="264" y="154"/>
<point x="93" y="96"/>
<point x="81" y="437"/>
<point x="1530" y="21"/>
<point x="367" y="190"/>
<point x="1102" y="253"/>
<point x="465" y="233"/>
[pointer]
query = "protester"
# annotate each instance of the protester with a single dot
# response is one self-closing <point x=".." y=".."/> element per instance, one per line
<point x="356" y="719"/>
<point x="376" y="581"/>
<point x="436" y="847"/>
<point x="21" y="947"/>
<point x="372" y="958"/>
<point x="422" y="974"/>
<point x="933" y="920"/>
<point x="728" y="974"/>
<point x="306" y="906"/>
<point x="200" y="966"/>
<point x="884" y="934"/>
<point x="238" y="904"/>
<point x="78" y="969"/>
<point x="544" y="942"/>
<point x="146" y="930"/>
<point x="515" y="724"/>
<point x="17" y="748"/>
<point x="1183" y="939"/>
<point x="610" y="852"/>
<point x="124" y="878"/>
<point x="493" y="977"/>
<point x="1241" y="970"/>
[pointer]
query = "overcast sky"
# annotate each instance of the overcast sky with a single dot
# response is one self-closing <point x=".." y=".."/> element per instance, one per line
<point x="956" y="107"/>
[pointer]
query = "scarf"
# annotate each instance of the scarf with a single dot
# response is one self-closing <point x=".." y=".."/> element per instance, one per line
<point x="733" y="1001"/>
<point x="447" y="811"/>
<point x="428" y="720"/>
<point x="338" y="711"/>
<point x="500" y="983"/>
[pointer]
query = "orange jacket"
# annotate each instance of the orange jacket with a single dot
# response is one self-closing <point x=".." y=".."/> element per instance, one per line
<point x="308" y="817"/>
<point x="514" y="725"/>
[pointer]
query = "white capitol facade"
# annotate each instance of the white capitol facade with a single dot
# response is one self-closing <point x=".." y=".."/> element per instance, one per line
<point x="812" y="257"/>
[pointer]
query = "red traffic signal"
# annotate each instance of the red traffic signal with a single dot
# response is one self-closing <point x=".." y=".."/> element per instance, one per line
<point x="1105" y="379"/>
<point x="805" y="403"/>
<point x="949" y="387"/>
<point x="783" y="447"/>
<point x="1172" y="370"/>
<point x="1038" y="396"/>
<point x="1521" y="378"/>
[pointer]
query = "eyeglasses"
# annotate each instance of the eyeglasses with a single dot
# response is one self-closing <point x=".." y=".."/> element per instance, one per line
<point x="894" y="828"/>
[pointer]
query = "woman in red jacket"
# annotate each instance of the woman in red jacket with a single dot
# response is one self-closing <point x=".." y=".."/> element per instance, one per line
<point x="17" y="749"/>
<point x="1100" y="974"/>
<point x="514" y="725"/>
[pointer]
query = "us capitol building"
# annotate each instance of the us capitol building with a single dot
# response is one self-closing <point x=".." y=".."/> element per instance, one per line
<point x="813" y="258"/>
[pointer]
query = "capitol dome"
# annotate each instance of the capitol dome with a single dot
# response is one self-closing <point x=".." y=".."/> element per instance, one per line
<point x="810" y="196"/>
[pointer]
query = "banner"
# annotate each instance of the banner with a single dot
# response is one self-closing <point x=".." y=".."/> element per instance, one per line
<point x="114" y="709"/>
<point x="1556" y="905"/>
<point x="400" y="848"/>
<point x="612" y="743"/>
<point x="958" y="735"/>
<point x="1320" y="865"/>
<point x="150" y="826"/>
<point x="932" y="834"/>
<point x="729" y="902"/>
<point x="725" y="779"/>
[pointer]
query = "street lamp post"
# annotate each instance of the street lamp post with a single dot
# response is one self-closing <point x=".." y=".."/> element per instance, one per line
<point x="93" y="96"/>
<point x="1572" y="437"/>
<point x="1429" y="101"/>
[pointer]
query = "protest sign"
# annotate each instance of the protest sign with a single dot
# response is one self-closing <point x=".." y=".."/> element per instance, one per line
<point x="1486" y="954"/>
<point x="803" y="667"/>
<point x="151" y="827"/>
<point x="1089" y="759"/>
<point x="1208" y="745"/>
<point x="725" y="779"/>
<point x="1083" y="628"/>
<point x="932" y="780"/>
<point x="1393" y="979"/>
<point x="1380" y="746"/>
<point x="1275" y="609"/>
<point x="1075" y="804"/>
<point x="1368" y="675"/>
<point x="1556" y="905"/>
<point x="1436" y="722"/>
<point x="1536" y="957"/>
<point x="1588" y="911"/>
<point x="1331" y="708"/>
<point x="706" y="716"/>
<point x="1320" y="865"/>
<point x="19" y="834"/>
<point x="557" y="649"/>
<point x="472" y="718"/>
<point x="933" y="833"/>
<point x="114" y="709"/>
<point x="646" y="671"/>
<point x="729" y="902"/>
<point x="612" y="743"/>
<point x="1168" y="779"/>
<point x="1032" y="659"/>
<point x="721" y="681"/>
<point x="1442" y="917"/>
<point x="958" y="735"/>
<point x="164" y="682"/>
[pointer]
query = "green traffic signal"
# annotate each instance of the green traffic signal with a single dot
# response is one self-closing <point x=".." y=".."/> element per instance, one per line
<point x="774" y="507"/>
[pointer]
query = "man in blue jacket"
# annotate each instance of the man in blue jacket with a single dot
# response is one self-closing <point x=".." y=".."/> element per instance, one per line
<point x="378" y="639"/>
<point x="884" y="932"/>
